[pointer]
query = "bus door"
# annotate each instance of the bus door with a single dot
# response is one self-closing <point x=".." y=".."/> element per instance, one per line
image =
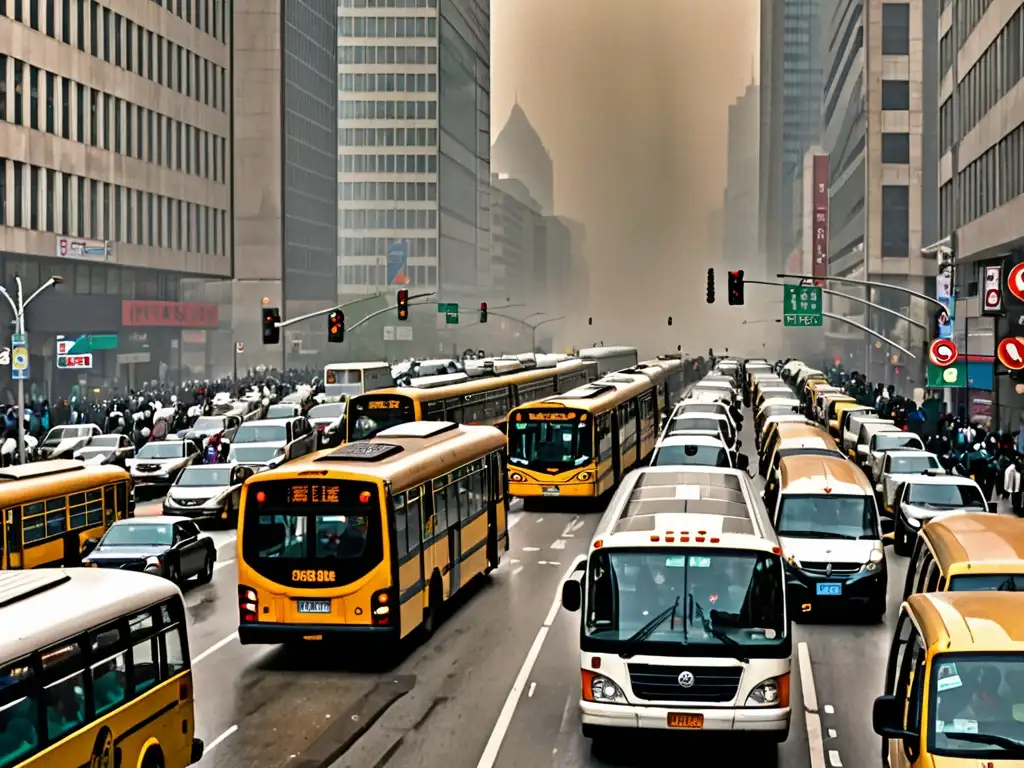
<point x="616" y="446"/>
<point x="428" y="524"/>
<point x="494" y="523"/>
<point x="110" y="510"/>
<point x="454" y="534"/>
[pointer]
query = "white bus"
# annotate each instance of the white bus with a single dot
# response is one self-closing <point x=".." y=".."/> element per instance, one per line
<point x="610" y="359"/>
<point x="683" y="596"/>
<point x="348" y="379"/>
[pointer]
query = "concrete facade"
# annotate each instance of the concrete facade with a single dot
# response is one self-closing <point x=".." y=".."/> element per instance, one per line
<point x="739" y="211"/>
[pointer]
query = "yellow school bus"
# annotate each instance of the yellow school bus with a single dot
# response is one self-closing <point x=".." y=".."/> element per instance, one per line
<point x="49" y="509"/>
<point x="667" y="375"/>
<point x="371" y="538"/>
<point x="98" y="672"/>
<point x="581" y="444"/>
<point x="478" y="400"/>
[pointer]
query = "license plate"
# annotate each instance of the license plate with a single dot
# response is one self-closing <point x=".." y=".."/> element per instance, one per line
<point x="685" y="720"/>
<point x="830" y="589"/>
<point x="553" y="491"/>
<point x="314" y="606"/>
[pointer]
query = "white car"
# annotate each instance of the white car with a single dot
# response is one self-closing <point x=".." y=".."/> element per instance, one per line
<point x="159" y="462"/>
<point x="901" y="467"/>
<point x="926" y="497"/>
<point x="694" y="449"/>
<point x="715" y="422"/>
<point x="62" y="442"/>
<point x="883" y="442"/>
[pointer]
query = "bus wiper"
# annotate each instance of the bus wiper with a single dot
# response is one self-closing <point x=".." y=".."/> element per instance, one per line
<point x="716" y="633"/>
<point x="1015" y="746"/>
<point x="648" y="629"/>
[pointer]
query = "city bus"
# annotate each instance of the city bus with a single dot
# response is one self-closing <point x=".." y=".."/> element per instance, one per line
<point x="97" y="673"/>
<point x="581" y="444"/>
<point x="668" y="376"/>
<point x="478" y="400"/>
<point x="372" y="538"/>
<point x="49" y="509"/>
<point x="347" y="379"/>
<point x="610" y="359"/>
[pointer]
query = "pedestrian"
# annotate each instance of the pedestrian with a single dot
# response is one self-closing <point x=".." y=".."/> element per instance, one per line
<point x="1012" y="484"/>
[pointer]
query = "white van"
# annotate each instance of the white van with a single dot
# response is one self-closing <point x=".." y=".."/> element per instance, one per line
<point x="348" y="379"/>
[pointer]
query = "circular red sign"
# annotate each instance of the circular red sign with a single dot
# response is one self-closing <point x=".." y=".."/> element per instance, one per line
<point x="943" y="353"/>
<point x="1015" y="281"/>
<point x="1011" y="353"/>
<point x="992" y="298"/>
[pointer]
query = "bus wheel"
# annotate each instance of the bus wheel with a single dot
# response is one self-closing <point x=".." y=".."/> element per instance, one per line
<point x="154" y="758"/>
<point x="432" y="616"/>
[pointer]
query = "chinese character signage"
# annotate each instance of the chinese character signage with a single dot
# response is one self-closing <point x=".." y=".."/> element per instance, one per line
<point x="819" y="217"/>
<point x="168" y="314"/>
<point x="801" y="306"/>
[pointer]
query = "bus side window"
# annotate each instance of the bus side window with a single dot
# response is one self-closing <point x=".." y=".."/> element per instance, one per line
<point x="110" y="672"/>
<point x="413" y="519"/>
<point x="64" y="668"/>
<point x="910" y="684"/>
<point x="145" y="652"/>
<point x="505" y="495"/>
<point x="401" y="526"/>
<point x="57" y="516"/>
<point x="931" y="579"/>
<point x="33" y="522"/>
<point x="109" y="514"/>
<point x="94" y="506"/>
<point x="440" y="506"/>
<point x="19" y="711"/>
<point x="122" y="500"/>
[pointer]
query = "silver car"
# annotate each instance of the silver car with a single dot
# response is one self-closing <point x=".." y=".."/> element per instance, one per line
<point x="208" y="491"/>
<point x="106" y="449"/>
<point x="159" y="462"/>
<point x="927" y="497"/>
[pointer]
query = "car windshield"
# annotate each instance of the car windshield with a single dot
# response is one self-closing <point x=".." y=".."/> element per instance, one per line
<point x="987" y="582"/>
<point x="690" y="423"/>
<point x="105" y="441"/>
<point x="945" y="495"/>
<point x="282" y="411"/>
<point x="136" y="535"/>
<point x="550" y="438"/>
<point x="57" y="434"/>
<point x="690" y="454"/>
<point x="912" y="465"/>
<point x="691" y="408"/>
<point x="898" y="440"/>
<point x="261" y="433"/>
<point x="253" y="454"/>
<point x="778" y="410"/>
<point x="160" y="449"/>
<point x="209" y="424"/>
<point x="327" y="411"/>
<point x="723" y="598"/>
<point x="977" y="706"/>
<point x="205" y="477"/>
<point x="827" y="517"/>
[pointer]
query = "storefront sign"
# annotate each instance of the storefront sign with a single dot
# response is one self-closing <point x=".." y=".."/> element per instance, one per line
<point x="74" y="361"/>
<point x="80" y="248"/>
<point x="168" y="314"/>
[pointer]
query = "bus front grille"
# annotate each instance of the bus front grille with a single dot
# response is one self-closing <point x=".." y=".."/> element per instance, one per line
<point x="711" y="685"/>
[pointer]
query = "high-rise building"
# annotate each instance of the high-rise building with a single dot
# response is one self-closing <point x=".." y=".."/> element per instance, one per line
<point x="114" y="174"/>
<point x="739" y="211"/>
<point x="882" y="163"/>
<point x="793" y="46"/>
<point x="514" y="248"/>
<point x="520" y="153"/>
<point x="414" y="144"/>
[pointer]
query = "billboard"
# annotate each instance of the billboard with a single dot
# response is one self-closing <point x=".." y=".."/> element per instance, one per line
<point x="398" y="260"/>
<point x="819" y="213"/>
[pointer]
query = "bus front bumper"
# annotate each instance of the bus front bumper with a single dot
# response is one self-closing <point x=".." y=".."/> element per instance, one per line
<point x="762" y="720"/>
<point x="566" y="490"/>
<point x="278" y="634"/>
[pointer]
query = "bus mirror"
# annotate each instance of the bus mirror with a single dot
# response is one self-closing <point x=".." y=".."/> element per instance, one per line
<point x="887" y="718"/>
<point x="572" y="595"/>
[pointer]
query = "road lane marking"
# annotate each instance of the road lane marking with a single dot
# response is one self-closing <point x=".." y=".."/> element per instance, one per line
<point x="517" y="570"/>
<point x="516" y="517"/>
<point x="531" y="549"/>
<point x="533" y="687"/>
<point x="540" y="519"/>
<point x="222" y="564"/>
<point x="559" y="544"/>
<point x="215" y="647"/>
<point x="490" y="755"/>
<point x="829" y="709"/>
<point x="833" y="759"/>
<point x="209" y="747"/>
<point x="833" y="733"/>
<point x="572" y="526"/>
<point x="812" y="720"/>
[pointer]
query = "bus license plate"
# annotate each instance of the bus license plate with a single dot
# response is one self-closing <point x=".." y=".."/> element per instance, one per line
<point x="314" y="606"/>
<point x="685" y="720"/>
<point x="550" y="491"/>
<point x="830" y="589"/>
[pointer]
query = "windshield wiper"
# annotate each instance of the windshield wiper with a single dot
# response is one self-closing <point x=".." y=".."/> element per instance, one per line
<point x="1005" y="742"/>
<point x="648" y="629"/>
<point x="718" y="634"/>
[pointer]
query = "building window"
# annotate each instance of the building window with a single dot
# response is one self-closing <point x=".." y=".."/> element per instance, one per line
<point x="896" y="148"/>
<point x="50" y="88"/>
<point x="895" y="29"/>
<point x="895" y="221"/>
<point x="33" y="103"/>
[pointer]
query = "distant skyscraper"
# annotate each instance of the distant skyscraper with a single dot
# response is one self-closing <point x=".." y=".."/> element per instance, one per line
<point x="519" y="152"/>
<point x="739" y="214"/>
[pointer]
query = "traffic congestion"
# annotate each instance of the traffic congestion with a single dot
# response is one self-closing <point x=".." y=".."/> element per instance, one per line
<point x="510" y="561"/>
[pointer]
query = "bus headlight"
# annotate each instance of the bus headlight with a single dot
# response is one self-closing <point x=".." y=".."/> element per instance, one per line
<point x="773" y="692"/>
<point x="584" y="476"/>
<point x="515" y="477"/>
<point x="600" y="689"/>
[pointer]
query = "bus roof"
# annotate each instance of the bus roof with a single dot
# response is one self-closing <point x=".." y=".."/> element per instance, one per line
<point x="607" y="391"/>
<point x="598" y="353"/>
<point x="44" y="479"/>
<point x="357" y="366"/>
<point x="970" y="621"/>
<point x="406" y="455"/>
<point x="976" y="538"/>
<point x="41" y="607"/>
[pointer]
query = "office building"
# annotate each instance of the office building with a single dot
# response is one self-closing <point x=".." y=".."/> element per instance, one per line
<point x="739" y="211"/>
<point x="883" y="157"/>
<point x="792" y="73"/>
<point x="520" y="153"/>
<point x="115" y="157"/>
<point x="414" y="145"/>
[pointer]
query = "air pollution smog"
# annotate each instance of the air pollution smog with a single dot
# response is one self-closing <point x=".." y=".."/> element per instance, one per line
<point x="631" y="100"/>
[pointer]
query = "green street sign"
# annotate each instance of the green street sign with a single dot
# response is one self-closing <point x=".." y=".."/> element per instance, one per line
<point x="451" y="314"/>
<point x="442" y="308"/>
<point x="93" y="342"/>
<point x="801" y="307"/>
<point x="953" y="376"/>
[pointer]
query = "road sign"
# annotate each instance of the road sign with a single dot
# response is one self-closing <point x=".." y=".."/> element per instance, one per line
<point x="1015" y="281"/>
<point x="404" y="333"/>
<point x="389" y="333"/>
<point x="92" y="342"/>
<point x="5" y="356"/>
<point x="19" y="356"/>
<point x="992" y="295"/>
<point x="1010" y="353"/>
<point x="451" y="314"/>
<point x="801" y="306"/>
<point x="943" y="353"/>
<point x="74" y="361"/>
<point x="442" y="307"/>
<point x="939" y="378"/>
<point x="239" y="347"/>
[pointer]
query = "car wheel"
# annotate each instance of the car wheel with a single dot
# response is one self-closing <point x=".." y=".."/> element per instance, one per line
<point x="206" y="575"/>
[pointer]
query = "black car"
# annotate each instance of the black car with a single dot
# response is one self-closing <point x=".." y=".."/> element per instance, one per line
<point x="172" y="547"/>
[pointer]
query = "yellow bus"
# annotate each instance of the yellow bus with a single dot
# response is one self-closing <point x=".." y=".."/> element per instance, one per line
<point x="581" y="444"/>
<point x="98" y="672"/>
<point x="49" y="509"/>
<point x="370" y="539"/>
<point x="480" y="400"/>
<point x="667" y="375"/>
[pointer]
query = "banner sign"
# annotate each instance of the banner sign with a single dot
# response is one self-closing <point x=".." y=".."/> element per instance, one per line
<point x="168" y="314"/>
<point x="819" y="201"/>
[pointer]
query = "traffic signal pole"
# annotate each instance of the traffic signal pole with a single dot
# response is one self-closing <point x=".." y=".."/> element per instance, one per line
<point x="391" y="308"/>
<point x="856" y="299"/>
<point x="322" y="312"/>
<point x="871" y="283"/>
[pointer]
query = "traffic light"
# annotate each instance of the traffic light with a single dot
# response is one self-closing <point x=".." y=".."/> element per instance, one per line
<point x="711" y="285"/>
<point x="736" y="287"/>
<point x="483" y="311"/>
<point x="271" y="333"/>
<point x="403" y="305"/>
<point x="336" y="327"/>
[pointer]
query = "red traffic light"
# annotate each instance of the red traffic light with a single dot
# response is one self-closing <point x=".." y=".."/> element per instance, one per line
<point x="403" y="304"/>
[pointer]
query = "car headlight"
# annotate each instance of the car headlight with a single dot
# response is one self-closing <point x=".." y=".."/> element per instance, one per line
<point x="875" y="561"/>
<point x="154" y="565"/>
<point x="603" y="690"/>
<point x="767" y="693"/>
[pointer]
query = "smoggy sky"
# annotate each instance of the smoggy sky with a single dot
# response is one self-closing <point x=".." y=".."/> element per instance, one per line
<point x="631" y="98"/>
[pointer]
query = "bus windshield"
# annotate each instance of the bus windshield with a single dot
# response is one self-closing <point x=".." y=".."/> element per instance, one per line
<point x="725" y="601"/>
<point x="371" y="414"/>
<point x="550" y="438"/>
<point x="334" y="526"/>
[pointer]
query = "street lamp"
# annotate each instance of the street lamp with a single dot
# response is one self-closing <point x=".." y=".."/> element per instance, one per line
<point x="19" y="328"/>
<point x="535" y="326"/>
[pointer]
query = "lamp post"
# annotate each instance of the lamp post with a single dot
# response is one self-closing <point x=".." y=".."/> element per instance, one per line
<point x="535" y="326"/>
<point x="18" y="308"/>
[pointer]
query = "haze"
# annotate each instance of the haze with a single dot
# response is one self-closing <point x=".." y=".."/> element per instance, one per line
<point x="631" y="98"/>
